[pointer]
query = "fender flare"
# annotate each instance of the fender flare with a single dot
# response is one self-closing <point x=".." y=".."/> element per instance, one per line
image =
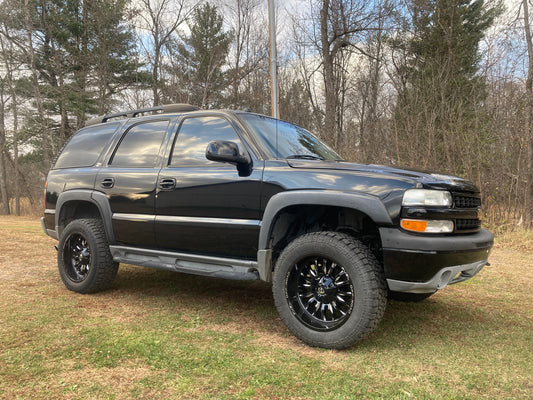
<point x="99" y="199"/>
<point x="367" y="204"/>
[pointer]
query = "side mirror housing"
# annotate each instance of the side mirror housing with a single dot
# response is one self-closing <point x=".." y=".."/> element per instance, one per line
<point x="224" y="151"/>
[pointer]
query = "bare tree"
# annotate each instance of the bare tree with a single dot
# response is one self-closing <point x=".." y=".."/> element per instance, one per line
<point x="161" y="20"/>
<point x="38" y="98"/>
<point x="334" y="32"/>
<point x="10" y="64"/>
<point x="372" y="105"/>
<point x="248" y="50"/>
<point x="529" y="117"/>
<point x="4" y="197"/>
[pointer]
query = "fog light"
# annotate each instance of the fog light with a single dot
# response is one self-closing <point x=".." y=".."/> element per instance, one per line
<point x="423" y="226"/>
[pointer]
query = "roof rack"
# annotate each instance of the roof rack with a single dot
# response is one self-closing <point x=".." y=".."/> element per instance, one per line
<point x="164" y="109"/>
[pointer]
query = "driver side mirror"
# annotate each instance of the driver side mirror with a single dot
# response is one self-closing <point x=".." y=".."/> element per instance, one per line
<point x="224" y="151"/>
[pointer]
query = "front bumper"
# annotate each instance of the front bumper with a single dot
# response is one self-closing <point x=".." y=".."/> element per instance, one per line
<point x="423" y="263"/>
<point x="443" y="278"/>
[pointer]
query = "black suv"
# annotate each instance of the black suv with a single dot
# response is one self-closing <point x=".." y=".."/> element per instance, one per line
<point x="237" y="195"/>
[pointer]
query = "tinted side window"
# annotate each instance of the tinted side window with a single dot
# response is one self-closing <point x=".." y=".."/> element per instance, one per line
<point x="139" y="148"/>
<point x="194" y="135"/>
<point x="84" y="148"/>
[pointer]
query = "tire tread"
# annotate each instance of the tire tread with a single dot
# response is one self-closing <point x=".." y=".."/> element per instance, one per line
<point x="105" y="268"/>
<point x="373" y="281"/>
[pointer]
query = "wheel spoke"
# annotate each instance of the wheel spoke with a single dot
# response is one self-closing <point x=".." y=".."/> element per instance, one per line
<point x="77" y="253"/>
<point x="306" y="296"/>
<point x="330" y="308"/>
<point x="340" y="275"/>
<point x="332" y="267"/>
<point x="321" y="292"/>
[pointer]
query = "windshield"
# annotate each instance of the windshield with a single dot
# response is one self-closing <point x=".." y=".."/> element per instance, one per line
<point x="284" y="140"/>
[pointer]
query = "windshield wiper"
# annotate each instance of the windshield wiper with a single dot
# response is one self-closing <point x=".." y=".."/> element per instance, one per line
<point x="305" y="157"/>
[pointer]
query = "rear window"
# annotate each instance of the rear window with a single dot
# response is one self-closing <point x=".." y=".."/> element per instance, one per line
<point x="84" y="148"/>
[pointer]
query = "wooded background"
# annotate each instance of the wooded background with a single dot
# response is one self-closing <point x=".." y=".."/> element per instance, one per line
<point x="441" y="85"/>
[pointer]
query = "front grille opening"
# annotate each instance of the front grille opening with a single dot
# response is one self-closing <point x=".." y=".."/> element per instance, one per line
<point x="464" y="225"/>
<point x="461" y="201"/>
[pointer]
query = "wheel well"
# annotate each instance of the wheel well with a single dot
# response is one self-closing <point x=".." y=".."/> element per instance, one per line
<point x="297" y="220"/>
<point x="73" y="210"/>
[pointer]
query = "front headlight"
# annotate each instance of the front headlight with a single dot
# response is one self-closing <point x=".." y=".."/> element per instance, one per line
<point x="425" y="197"/>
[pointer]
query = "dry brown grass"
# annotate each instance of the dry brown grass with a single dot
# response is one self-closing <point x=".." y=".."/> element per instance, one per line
<point x="165" y="335"/>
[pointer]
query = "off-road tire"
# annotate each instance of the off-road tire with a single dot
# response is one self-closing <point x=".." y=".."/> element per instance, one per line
<point x="346" y="282"/>
<point x="83" y="257"/>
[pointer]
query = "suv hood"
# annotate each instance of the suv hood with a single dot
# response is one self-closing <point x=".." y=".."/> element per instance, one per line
<point x="426" y="179"/>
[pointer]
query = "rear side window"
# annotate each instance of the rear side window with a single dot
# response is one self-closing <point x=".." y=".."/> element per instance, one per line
<point x="84" y="148"/>
<point x="139" y="148"/>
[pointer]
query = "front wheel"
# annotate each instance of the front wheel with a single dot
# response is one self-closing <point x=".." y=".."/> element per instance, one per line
<point x="83" y="257"/>
<point x="329" y="289"/>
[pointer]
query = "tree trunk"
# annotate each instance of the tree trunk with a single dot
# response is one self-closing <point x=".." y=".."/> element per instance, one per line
<point x="3" y="176"/>
<point x="46" y="136"/>
<point x="329" y="76"/>
<point x="528" y="213"/>
<point x="155" y="73"/>
<point x="9" y="67"/>
<point x="14" y="109"/>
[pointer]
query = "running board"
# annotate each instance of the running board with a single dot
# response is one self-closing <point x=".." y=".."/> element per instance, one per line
<point x="226" y="268"/>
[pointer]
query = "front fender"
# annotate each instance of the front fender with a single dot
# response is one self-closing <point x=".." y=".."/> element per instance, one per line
<point x="367" y="204"/>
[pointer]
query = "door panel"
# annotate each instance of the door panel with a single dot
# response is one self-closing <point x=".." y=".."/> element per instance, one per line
<point x="129" y="181"/>
<point x="211" y="210"/>
<point x="204" y="206"/>
<point x="132" y="201"/>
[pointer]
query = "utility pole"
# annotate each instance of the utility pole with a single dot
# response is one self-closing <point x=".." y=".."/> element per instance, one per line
<point x="273" y="59"/>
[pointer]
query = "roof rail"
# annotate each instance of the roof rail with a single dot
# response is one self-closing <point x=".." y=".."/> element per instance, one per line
<point x="164" y="109"/>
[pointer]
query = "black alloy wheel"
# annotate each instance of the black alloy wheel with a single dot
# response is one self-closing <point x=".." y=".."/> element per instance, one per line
<point x="77" y="256"/>
<point x="320" y="293"/>
<point x="84" y="260"/>
<point x="329" y="289"/>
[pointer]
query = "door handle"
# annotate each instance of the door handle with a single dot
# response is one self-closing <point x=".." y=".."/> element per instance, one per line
<point x="167" y="184"/>
<point x="108" y="183"/>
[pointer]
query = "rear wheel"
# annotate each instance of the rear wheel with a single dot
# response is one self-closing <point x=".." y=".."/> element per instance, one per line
<point x="329" y="289"/>
<point x="84" y="260"/>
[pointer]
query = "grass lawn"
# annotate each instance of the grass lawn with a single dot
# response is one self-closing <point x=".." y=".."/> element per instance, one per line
<point x="166" y="335"/>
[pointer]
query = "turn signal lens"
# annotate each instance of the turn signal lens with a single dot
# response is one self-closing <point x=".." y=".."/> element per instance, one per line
<point x="423" y="226"/>
<point x="414" y="225"/>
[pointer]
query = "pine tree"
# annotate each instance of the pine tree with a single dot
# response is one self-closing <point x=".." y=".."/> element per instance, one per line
<point x="204" y="53"/>
<point x="75" y="55"/>
<point x="438" y="116"/>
